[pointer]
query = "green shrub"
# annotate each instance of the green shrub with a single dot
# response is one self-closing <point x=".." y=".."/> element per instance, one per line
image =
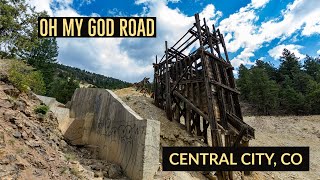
<point x="24" y="77"/>
<point x="62" y="89"/>
<point x="42" y="109"/>
<point x="36" y="82"/>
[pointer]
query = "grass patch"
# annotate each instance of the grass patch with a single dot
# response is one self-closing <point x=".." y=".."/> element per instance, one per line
<point x="11" y="142"/>
<point x="70" y="156"/>
<point x="75" y="172"/>
<point x="63" y="170"/>
<point x="42" y="109"/>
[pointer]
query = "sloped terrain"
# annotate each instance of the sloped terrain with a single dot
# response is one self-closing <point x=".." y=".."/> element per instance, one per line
<point x="32" y="147"/>
<point x="270" y="131"/>
<point x="289" y="131"/>
<point x="171" y="133"/>
<point x="89" y="78"/>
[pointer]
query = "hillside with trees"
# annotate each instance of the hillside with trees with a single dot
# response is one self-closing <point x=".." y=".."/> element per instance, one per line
<point x="292" y="88"/>
<point x="38" y="68"/>
<point x="95" y="79"/>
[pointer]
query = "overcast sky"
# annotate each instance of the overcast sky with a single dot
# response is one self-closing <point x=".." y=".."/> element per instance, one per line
<point x="257" y="29"/>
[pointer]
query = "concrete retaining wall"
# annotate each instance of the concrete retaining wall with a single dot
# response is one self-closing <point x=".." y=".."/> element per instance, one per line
<point x="59" y="111"/>
<point x="101" y="119"/>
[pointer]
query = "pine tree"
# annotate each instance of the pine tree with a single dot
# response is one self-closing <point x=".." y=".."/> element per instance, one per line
<point x="63" y="89"/>
<point x="44" y="52"/>
<point x="243" y="82"/>
<point x="289" y="65"/>
<point x="18" y="28"/>
<point x="312" y="67"/>
<point x="264" y="92"/>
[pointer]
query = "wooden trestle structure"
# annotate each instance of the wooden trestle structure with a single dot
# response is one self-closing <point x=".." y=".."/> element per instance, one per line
<point x="198" y="89"/>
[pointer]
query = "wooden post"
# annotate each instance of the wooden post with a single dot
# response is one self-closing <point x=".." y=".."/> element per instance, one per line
<point x="188" y="118"/>
<point x="216" y="72"/>
<point x="155" y="82"/>
<point x="216" y="138"/>
<point x="168" y="91"/>
<point x="246" y="144"/>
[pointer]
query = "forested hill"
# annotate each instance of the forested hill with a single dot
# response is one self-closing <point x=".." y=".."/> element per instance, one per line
<point x="84" y="76"/>
<point x="291" y="88"/>
<point x="35" y="66"/>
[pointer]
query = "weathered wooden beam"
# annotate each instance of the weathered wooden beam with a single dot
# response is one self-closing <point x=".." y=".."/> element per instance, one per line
<point x="239" y="124"/>
<point x="188" y="118"/>
<point x="214" y="35"/>
<point x="194" y="108"/>
<point x="216" y="139"/>
<point x="168" y="91"/>
<point x="215" y="71"/>
<point x="223" y="45"/>
<point x="226" y="64"/>
<point x="224" y="86"/>
<point x="155" y="82"/>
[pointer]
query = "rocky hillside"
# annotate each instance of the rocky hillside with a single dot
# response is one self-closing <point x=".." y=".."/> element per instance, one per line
<point x="32" y="147"/>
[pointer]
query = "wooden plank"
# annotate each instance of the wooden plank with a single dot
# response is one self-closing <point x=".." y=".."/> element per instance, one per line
<point x="216" y="42"/>
<point x="197" y="110"/>
<point x="205" y="130"/>
<point x="168" y="91"/>
<point x="223" y="45"/>
<point x="216" y="140"/>
<point x="238" y="124"/>
<point x="224" y="86"/>
<point x="188" y="118"/>
<point x="227" y="65"/>
<point x="214" y="69"/>
<point x="197" y="123"/>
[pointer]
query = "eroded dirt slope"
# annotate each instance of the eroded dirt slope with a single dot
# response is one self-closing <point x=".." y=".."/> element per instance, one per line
<point x="171" y="133"/>
<point x="32" y="147"/>
<point x="289" y="131"/>
<point x="270" y="131"/>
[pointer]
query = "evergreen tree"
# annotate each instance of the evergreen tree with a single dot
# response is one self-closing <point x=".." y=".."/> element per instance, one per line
<point x="312" y="67"/>
<point x="264" y="92"/>
<point x="244" y="82"/>
<point x="43" y="56"/>
<point x="313" y="101"/>
<point x="44" y="52"/>
<point x="290" y="89"/>
<point x="289" y="65"/>
<point x="63" y="89"/>
<point x="269" y="69"/>
<point x="18" y="28"/>
<point x="291" y="101"/>
<point x="301" y="82"/>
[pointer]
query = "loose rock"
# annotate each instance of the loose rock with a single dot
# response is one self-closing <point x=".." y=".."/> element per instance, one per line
<point x="114" y="171"/>
<point x="17" y="134"/>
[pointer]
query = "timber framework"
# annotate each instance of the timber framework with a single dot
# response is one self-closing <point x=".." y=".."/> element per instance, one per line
<point x="198" y="89"/>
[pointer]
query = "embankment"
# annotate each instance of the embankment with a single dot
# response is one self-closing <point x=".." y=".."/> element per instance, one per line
<point x="99" y="118"/>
